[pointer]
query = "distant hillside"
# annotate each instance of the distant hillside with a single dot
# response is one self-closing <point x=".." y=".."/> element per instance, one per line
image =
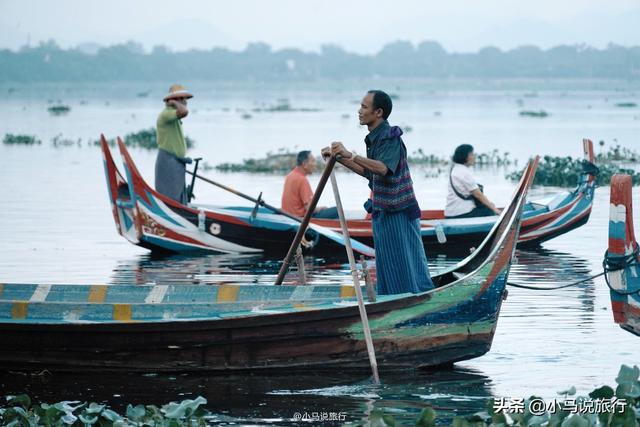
<point x="258" y="61"/>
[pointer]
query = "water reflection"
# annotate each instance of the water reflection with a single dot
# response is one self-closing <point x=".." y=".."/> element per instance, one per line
<point x="229" y="268"/>
<point x="269" y="399"/>
<point x="551" y="268"/>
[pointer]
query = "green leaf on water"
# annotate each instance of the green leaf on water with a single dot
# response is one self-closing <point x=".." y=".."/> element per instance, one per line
<point x="569" y="392"/>
<point x="460" y="422"/>
<point x="66" y="406"/>
<point x="94" y="408"/>
<point x="628" y="391"/>
<point x="377" y="418"/>
<point x="427" y="418"/>
<point x="135" y="413"/>
<point x="87" y="419"/>
<point x="604" y="392"/>
<point x="69" y="419"/>
<point x="178" y="410"/>
<point x="556" y="419"/>
<point x="628" y="375"/>
<point x="575" y="421"/>
<point x="538" y="420"/>
<point x="22" y="400"/>
<point x="110" y="415"/>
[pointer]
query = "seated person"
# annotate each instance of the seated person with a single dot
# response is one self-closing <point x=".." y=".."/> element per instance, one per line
<point x="465" y="198"/>
<point x="297" y="193"/>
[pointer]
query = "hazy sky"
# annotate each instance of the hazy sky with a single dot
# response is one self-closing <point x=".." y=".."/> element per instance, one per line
<point x="359" y="26"/>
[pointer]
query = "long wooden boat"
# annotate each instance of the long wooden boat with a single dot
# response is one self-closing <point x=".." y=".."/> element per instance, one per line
<point x="261" y="327"/>
<point x="623" y="257"/>
<point x="148" y="219"/>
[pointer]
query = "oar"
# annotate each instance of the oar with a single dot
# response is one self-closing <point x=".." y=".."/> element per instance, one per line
<point x="332" y="235"/>
<point x="305" y="221"/>
<point x="356" y="282"/>
<point x="246" y="196"/>
<point x="193" y="179"/>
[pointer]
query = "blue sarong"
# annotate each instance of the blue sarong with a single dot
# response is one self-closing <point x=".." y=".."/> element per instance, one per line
<point x="170" y="179"/>
<point x="401" y="263"/>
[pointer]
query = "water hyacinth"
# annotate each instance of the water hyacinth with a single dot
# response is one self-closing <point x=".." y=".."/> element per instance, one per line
<point x="281" y="162"/>
<point x="566" y="171"/>
<point x="626" y="104"/>
<point x="284" y="160"/>
<point x="145" y="138"/>
<point x="538" y="114"/>
<point x="21" y="411"/>
<point x="558" y="414"/>
<point x="11" y="139"/>
<point x="58" y="110"/>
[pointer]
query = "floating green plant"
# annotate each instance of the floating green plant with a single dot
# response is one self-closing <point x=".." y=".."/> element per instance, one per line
<point x="626" y="104"/>
<point x="21" y="411"/>
<point x="284" y="160"/>
<point x="60" y="141"/>
<point x="566" y="171"/>
<point x="538" y="114"/>
<point x="281" y="162"/>
<point x="10" y="138"/>
<point x="58" y="110"/>
<point x="492" y="158"/>
<point x="283" y="105"/>
<point x="604" y="406"/>
<point x="145" y="138"/>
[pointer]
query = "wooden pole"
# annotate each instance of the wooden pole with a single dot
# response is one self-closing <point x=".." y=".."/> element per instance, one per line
<point x="371" y="292"/>
<point x="356" y="282"/>
<point x="302" y="276"/>
<point x="305" y="221"/>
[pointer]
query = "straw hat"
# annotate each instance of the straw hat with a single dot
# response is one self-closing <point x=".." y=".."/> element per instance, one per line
<point x="177" y="91"/>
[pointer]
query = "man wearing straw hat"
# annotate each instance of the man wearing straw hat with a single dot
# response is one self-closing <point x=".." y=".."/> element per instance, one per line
<point x="172" y="148"/>
<point x="401" y="263"/>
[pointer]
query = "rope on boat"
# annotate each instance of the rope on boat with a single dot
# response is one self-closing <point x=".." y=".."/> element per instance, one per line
<point x="608" y="265"/>
<point x="620" y="263"/>
<point x="538" y="288"/>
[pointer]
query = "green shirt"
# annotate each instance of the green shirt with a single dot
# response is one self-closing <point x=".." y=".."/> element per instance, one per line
<point x="169" y="133"/>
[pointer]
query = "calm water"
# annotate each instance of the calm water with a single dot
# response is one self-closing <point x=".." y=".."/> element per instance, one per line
<point x="56" y="227"/>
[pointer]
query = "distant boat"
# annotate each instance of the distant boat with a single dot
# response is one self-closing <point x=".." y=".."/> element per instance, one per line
<point x="623" y="253"/>
<point x="150" y="220"/>
<point x="237" y="327"/>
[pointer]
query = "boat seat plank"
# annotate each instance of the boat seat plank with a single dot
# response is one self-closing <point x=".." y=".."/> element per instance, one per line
<point x="172" y="294"/>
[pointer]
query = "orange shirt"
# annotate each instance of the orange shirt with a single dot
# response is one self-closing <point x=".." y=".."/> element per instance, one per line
<point x="297" y="192"/>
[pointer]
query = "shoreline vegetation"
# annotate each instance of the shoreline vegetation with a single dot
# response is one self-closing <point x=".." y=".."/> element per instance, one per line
<point x="603" y="406"/>
<point x="260" y="62"/>
<point x="283" y="160"/>
<point x="145" y="138"/>
<point x="556" y="171"/>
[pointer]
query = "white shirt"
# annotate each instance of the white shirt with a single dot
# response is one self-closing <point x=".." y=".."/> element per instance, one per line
<point x="465" y="183"/>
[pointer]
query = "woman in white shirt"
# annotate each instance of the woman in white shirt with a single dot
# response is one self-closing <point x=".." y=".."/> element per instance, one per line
<point x="465" y="198"/>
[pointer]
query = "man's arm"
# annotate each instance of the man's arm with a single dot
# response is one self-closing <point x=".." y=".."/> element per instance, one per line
<point x="181" y="109"/>
<point x="375" y="166"/>
<point x="356" y="163"/>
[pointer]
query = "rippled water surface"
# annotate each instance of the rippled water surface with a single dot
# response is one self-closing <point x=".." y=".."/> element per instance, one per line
<point x="56" y="227"/>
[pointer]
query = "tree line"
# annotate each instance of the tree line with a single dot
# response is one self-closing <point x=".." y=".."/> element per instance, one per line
<point x="258" y="61"/>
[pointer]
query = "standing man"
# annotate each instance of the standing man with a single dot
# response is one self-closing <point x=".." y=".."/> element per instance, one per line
<point x="172" y="148"/>
<point x="401" y="263"/>
<point x="297" y="193"/>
